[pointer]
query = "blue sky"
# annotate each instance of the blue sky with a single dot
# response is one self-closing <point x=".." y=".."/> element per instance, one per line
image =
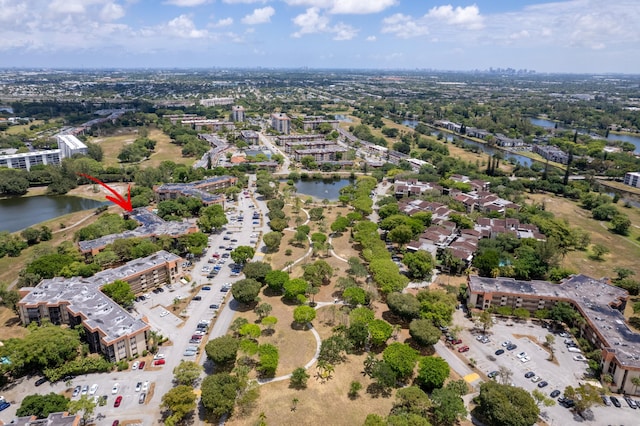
<point x="559" y="36"/>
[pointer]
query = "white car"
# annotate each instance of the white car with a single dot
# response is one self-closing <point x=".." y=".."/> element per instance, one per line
<point x="158" y="356"/>
<point x="506" y="343"/>
<point x="536" y="379"/>
<point x="138" y="386"/>
<point x="115" y="388"/>
<point x="94" y="389"/>
<point x="522" y="355"/>
<point x="525" y="359"/>
<point x="164" y="314"/>
<point x="135" y="365"/>
<point x="145" y="386"/>
<point x="579" y="358"/>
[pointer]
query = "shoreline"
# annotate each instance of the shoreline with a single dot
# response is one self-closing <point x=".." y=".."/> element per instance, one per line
<point x="82" y="191"/>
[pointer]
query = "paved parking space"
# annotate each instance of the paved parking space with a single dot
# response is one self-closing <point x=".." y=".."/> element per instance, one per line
<point x="559" y="374"/>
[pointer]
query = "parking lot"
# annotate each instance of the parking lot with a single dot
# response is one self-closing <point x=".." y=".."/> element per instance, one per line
<point x="562" y="372"/>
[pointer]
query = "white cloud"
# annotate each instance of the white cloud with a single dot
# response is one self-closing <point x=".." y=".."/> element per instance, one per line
<point x="312" y="21"/>
<point x="186" y="3"/>
<point x="183" y="27"/>
<point x="67" y="6"/>
<point x="371" y="38"/>
<point x="225" y="22"/>
<point x="404" y="26"/>
<point x="468" y="16"/>
<point x="346" y="7"/>
<point x="111" y="12"/>
<point x="259" y="16"/>
<point x="244" y="1"/>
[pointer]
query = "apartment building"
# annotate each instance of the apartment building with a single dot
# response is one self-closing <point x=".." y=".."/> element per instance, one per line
<point x="414" y="187"/>
<point x="54" y="419"/>
<point x="597" y="301"/>
<point x="281" y="122"/>
<point x="27" y="160"/>
<point x="312" y="123"/>
<point x="208" y="124"/>
<point x="151" y="226"/>
<point x="109" y="329"/>
<point x="291" y="145"/>
<point x="217" y="101"/>
<point x="70" y="145"/>
<point x="284" y="140"/>
<point x="250" y="137"/>
<point x="237" y="113"/>
<point x="632" y="179"/>
<point x="551" y="153"/>
<point x="328" y="153"/>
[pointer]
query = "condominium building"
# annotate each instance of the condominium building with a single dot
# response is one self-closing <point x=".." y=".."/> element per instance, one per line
<point x="53" y="419"/>
<point x="237" y="113"/>
<point x="109" y="328"/>
<point x="291" y="145"/>
<point x="632" y="179"/>
<point x="70" y="145"/>
<point x="328" y="153"/>
<point x="205" y="123"/>
<point x="216" y="101"/>
<point x="281" y="122"/>
<point x="26" y="160"/>
<point x="292" y="139"/>
<point x="598" y="302"/>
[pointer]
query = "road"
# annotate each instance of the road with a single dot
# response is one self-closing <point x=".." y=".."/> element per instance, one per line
<point x="284" y="169"/>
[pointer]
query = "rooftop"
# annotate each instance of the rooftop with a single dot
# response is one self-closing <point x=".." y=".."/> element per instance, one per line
<point x="83" y="297"/>
<point x="595" y="298"/>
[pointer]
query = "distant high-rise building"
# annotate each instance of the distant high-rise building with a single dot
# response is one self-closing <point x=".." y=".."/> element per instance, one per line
<point x="237" y="113"/>
<point x="281" y="122"/>
<point x="216" y="101"/>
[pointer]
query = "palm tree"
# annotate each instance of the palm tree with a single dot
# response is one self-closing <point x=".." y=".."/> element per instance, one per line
<point x="635" y="381"/>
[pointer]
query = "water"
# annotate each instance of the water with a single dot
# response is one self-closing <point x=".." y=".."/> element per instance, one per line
<point x="626" y="138"/>
<point x="508" y="156"/>
<point x="547" y="124"/>
<point x="21" y="212"/>
<point x="410" y="123"/>
<point x="321" y="189"/>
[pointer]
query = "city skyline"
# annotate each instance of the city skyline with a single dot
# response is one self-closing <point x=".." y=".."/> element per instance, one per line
<point x="574" y="36"/>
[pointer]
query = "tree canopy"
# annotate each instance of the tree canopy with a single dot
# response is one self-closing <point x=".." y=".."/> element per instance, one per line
<point x="120" y="292"/>
<point x="42" y="405"/>
<point x="504" y="405"/>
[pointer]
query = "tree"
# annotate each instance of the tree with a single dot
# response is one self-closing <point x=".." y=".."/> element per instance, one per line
<point x="222" y="350"/>
<point x="585" y="396"/>
<point x="404" y="305"/>
<point x="246" y="291"/>
<point x="272" y="241"/>
<point x="598" y="251"/>
<point x="563" y="312"/>
<point x="276" y="279"/>
<point x="486" y="320"/>
<point x="549" y="341"/>
<point x="521" y="313"/>
<point x="294" y="287"/>
<point x="316" y="214"/>
<point x="318" y="273"/>
<point x="503" y="405"/>
<point x="354" y="296"/>
<point x="340" y="224"/>
<point x="424" y="332"/>
<point x="179" y="401"/>
<point x="262" y="310"/>
<point x="401" y="235"/>
<point x="219" y="393"/>
<point x="278" y="224"/>
<point x="354" y="388"/>
<point x="304" y="314"/>
<point x="380" y="331"/>
<point x="250" y="330"/>
<point x="31" y="235"/>
<point x="447" y="406"/>
<point x="505" y="375"/>
<point x="256" y="270"/>
<point x="242" y="253"/>
<point x="42" y="405"/>
<point x="432" y="372"/>
<point x="411" y="400"/>
<point x="361" y="315"/>
<point x="543" y="399"/>
<point x="486" y="261"/>
<point x="269" y="322"/>
<point x="620" y="224"/>
<point x="420" y="264"/>
<point x="187" y="372"/>
<point x="120" y="292"/>
<point x="212" y="218"/>
<point x="401" y="358"/>
<point x="299" y="378"/>
<point x="85" y="404"/>
<point x="268" y="360"/>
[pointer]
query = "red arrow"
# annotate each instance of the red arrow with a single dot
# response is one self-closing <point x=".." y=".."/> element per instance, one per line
<point x="118" y="199"/>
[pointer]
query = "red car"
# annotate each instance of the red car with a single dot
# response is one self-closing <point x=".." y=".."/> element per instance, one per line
<point x="158" y="362"/>
<point x="141" y="366"/>
<point x="464" y="348"/>
<point x="115" y="423"/>
<point x="456" y="342"/>
<point x="117" y="401"/>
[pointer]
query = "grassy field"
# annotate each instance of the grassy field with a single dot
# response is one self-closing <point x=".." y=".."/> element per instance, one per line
<point x="624" y="251"/>
<point x="165" y="150"/>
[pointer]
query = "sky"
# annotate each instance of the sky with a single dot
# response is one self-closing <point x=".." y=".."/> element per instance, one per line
<point x="567" y="36"/>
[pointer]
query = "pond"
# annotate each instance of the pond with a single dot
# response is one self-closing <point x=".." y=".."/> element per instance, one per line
<point x="410" y="123"/>
<point x="547" y="124"/>
<point x="342" y="117"/>
<point x="626" y="138"/>
<point x="321" y="189"/>
<point x="17" y="213"/>
<point x="507" y="155"/>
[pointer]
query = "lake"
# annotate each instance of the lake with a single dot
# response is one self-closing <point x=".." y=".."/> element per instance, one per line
<point x="17" y="213"/>
<point x="321" y="189"/>
<point x="547" y="124"/>
<point x="410" y="123"/>
<point x="509" y="156"/>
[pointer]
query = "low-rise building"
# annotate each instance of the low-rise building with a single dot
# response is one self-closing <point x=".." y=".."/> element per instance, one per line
<point x="249" y="136"/>
<point x="312" y="123"/>
<point x="217" y="101"/>
<point x="290" y="146"/>
<point x="213" y="125"/>
<point x="551" y="153"/>
<point x="283" y="140"/>
<point x="414" y="187"/>
<point x="53" y="419"/>
<point x="26" y="160"/>
<point x="109" y="328"/>
<point x="328" y="153"/>
<point x="597" y="301"/>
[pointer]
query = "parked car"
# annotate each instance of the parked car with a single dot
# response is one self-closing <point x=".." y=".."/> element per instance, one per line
<point x="4" y="405"/>
<point x="214" y="306"/>
<point x="506" y="343"/>
<point x="159" y="362"/>
<point x="511" y="347"/>
<point x="138" y="386"/>
<point x="525" y="359"/>
<point x="141" y="366"/>
<point x="499" y="352"/>
<point x="76" y="391"/>
<point x="464" y="348"/>
<point x="135" y="365"/>
<point x="615" y="401"/>
<point x="521" y="355"/>
<point x="630" y="402"/>
<point x="197" y="298"/>
<point x="115" y="423"/>
<point x="529" y="374"/>
<point x="94" y="388"/>
<point x="142" y="397"/>
<point x="85" y="390"/>
<point x="536" y="379"/>
<point x="41" y="381"/>
<point x="145" y="386"/>
<point x="555" y="393"/>
<point x="456" y="342"/>
<point x="115" y="389"/>
<point x="493" y="374"/>
<point x="543" y="384"/>
<point x="158" y="356"/>
<point x="118" y="400"/>
<point x="206" y="288"/>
